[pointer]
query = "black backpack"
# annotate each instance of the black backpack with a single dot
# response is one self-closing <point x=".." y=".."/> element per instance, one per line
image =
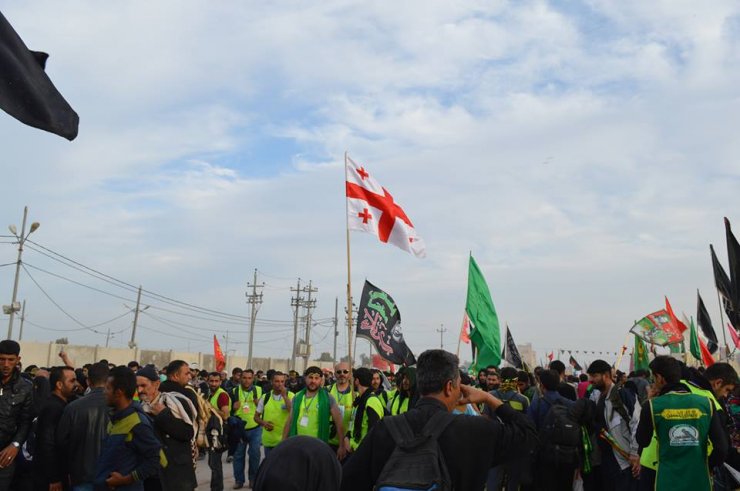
<point x="417" y="462"/>
<point x="560" y="436"/>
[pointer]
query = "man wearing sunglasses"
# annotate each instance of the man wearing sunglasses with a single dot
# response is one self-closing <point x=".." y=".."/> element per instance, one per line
<point x="341" y="391"/>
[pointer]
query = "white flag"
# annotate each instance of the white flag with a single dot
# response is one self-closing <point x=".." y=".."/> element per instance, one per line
<point x="371" y="209"/>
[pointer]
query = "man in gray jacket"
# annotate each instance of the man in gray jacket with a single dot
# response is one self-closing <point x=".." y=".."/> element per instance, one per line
<point x="83" y="427"/>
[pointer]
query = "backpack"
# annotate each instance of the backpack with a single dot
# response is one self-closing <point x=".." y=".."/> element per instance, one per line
<point x="560" y="436"/>
<point x="211" y="432"/>
<point x="417" y="462"/>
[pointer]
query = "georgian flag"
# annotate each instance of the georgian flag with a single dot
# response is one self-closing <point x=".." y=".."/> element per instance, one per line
<point x="371" y="209"/>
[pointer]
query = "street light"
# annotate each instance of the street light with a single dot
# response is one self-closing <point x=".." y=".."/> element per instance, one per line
<point x="14" y="304"/>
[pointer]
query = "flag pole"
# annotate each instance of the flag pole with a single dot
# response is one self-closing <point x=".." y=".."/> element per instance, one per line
<point x="349" y="278"/>
<point x="621" y="350"/>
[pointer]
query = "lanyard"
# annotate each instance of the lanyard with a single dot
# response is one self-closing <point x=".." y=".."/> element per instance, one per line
<point x="307" y="406"/>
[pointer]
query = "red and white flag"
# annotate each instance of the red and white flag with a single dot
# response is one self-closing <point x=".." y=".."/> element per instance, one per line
<point x="371" y="209"/>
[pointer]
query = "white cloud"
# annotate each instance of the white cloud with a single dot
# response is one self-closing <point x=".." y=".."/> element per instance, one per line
<point x="585" y="156"/>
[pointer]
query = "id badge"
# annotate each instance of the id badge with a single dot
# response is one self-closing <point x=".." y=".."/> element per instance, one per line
<point x="304" y="421"/>
<point x="245" y="408"/>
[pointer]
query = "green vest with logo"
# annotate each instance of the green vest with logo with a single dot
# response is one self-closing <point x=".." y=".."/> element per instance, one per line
<point x="373" y="404"/>
<point x="649" y="455"/>
<point x="248" y="399"/>
<point x="214" y="399"/>
<point x="344" y="402"/>
<point x="275" y="412"/>
<point x="681" y="423"/>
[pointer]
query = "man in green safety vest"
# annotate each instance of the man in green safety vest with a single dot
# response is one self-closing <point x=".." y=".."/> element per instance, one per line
<point x="682" y="424"/>
<point x="717" y="382"/>
<point x="313" y="409"/>
<point x="245" y="398"/>
<point x="273" y="411"/>
<point x="342" y="393"/>
<point x="221" y="402"/>
<point x="367" y="410"/>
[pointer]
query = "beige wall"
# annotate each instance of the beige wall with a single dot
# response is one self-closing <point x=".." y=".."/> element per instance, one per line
<point x="47" y="354"/>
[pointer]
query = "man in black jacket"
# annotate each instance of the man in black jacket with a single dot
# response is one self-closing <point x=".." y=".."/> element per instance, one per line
<point x="83" y="427"/>
<point x="49" y="473"/>
<point x="469" y="445"/>
<point x="15" y="410"/>
<point x="173" y="416"/>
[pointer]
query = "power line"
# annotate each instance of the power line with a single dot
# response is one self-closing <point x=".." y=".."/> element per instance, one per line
<point x="130" y="287"/>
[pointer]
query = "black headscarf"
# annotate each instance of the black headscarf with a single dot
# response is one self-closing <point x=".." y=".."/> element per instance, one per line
<point x="300" y="463"/>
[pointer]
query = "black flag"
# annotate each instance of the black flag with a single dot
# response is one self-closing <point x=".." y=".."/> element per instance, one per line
<point x="379" y="321"/>
<point x="575" y="364"/>
<point x="26" y="93"/>
<point x="705" y="323"/>
<point x="733" y="258"/>
<point x="724" y="287"/>
<point x="512" y="355"/>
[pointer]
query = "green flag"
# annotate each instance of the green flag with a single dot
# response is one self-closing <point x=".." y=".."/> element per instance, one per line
<point x="484" y="333"/>
<point x="694" y="347"/>
<point x="641" y="354"/>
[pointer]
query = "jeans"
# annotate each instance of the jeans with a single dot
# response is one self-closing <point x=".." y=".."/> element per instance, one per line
<point x="253" y="440"/>
<point x="217" y="470"/>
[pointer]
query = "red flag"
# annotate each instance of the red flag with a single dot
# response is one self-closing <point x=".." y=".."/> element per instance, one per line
<point x="465" y="329"/>
<point x="371" y="209"/>
<point x="382" y="364"/>
<point x="706" y="356"/>
<point x="733" y="334"/>
<point x="551" y="356"/>
<point x="675" y="323"/>
<point x="218" y="355"/>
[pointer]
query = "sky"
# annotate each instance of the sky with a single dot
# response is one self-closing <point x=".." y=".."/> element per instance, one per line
<point x="584" y="152"/>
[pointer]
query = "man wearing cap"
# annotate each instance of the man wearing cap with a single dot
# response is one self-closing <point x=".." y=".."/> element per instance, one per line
<point x="15" y="410"/>
<point x="616" y="414"/>
<point x="173" y="417"/>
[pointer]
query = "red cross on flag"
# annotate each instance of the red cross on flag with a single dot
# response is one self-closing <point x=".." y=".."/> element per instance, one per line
<point x="371" y="209"/>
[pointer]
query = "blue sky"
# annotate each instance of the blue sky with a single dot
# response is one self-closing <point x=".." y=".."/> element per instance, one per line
<point x="584" y="151"/>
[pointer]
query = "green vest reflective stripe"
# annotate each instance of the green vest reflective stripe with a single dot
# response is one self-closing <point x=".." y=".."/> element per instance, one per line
<point x="248" y="406"/>
<point x="373" y="404"/>
<point x="344" y="403"/>
<point x="276" y="413"/>
<point x="309" y="409"/>
<point x="214" y="398"/>
<point x="681" y="423"/>
<point x="396" y="406"/>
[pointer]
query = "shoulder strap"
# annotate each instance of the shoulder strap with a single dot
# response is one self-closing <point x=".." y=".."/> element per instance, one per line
<point x="399" y="429"/>
<point x="437" y="424"/>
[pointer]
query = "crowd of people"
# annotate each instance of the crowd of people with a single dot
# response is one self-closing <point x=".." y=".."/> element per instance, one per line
<point x="103" y="427"/>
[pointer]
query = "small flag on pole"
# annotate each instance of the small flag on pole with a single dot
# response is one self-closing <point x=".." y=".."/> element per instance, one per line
<point x="218" y="355"/>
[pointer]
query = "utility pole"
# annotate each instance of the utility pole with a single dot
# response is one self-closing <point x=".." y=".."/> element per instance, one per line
<point x="336" y="332"/>
<point x="295" y="302"/>
<point x="254" y="299"/>
<point x="23" y="318"/>
<point x="441" y="332"/>
<point x="308" y="304"/>
<point x="132" y="343"/>
<point x="107" y="338"/>
<point x="14" y="307"/>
